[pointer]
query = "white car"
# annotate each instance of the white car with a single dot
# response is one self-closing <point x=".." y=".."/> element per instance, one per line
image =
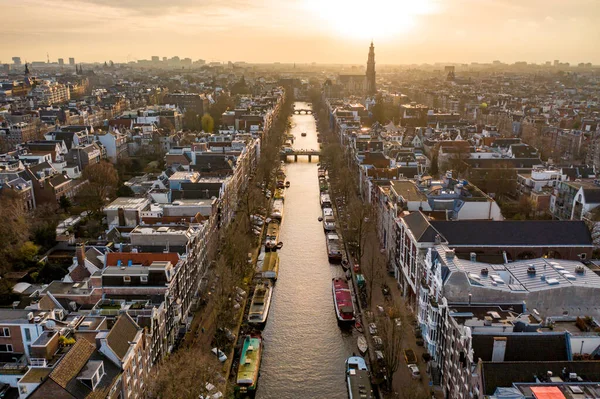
<point x="373" y="329"/>
<point x="219" y="353"/>
<point x="414" y="371"/>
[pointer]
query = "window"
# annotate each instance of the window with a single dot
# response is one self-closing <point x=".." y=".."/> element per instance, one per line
<point x="4" y="332"/>
<point x="127" y="279"/>
<point x="27" y="334"/>
<point x="582" y="256"/>
<point x="6" y="348"/>
<point x="144" y="279"/>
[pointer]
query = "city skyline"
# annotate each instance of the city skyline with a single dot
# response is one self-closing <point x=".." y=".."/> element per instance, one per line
<point x="303" y="31"/>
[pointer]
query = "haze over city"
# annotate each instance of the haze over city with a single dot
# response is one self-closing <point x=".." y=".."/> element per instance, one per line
<point x="301" y="31"/>
<point x="299" y="199"/>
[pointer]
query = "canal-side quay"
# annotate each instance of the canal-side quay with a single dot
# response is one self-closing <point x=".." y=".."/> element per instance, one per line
<point x="302" y="348"/>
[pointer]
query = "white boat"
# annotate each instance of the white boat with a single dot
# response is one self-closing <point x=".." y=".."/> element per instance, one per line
<point x="361" y="342"/>
<point x="277" y="212"/>
<point x="325" y="200"/>
<point x="261" y="302"/>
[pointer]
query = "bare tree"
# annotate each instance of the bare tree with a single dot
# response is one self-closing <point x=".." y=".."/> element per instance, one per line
<point x="359" y="222"/>
<point x="183" y="374"/>
<point x="391" y="333"/>
<point x="371" y="266"/>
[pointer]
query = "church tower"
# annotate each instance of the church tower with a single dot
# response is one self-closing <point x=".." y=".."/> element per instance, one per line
<point x="371" y="89"/>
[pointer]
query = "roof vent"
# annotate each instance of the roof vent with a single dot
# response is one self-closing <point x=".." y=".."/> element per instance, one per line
<point x="484" y="271"/>
<point x="531" y="270"/>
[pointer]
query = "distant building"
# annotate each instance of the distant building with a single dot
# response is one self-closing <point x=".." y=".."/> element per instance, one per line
<point x="61" y="61"/>
<point x="16" y="60"/>
<point x="71" y="61"/>
<point x="371" y="87"/>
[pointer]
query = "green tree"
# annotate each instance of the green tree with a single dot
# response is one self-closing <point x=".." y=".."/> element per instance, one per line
<point x="191" y="120"/>
<point x="208" y="123"/>
<point x="125" y="191"/>
<point x="223" y="103"/>
<point x="378" y="111"/>
<point x="103" y="180"/>
<point x="28" y="251"/>
<point x="65" y="203"/>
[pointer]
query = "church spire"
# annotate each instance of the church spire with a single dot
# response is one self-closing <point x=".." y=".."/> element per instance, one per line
<point x="371" y="88"/>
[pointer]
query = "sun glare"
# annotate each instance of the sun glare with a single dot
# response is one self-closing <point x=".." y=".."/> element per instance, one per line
<point x="374" y="19"/>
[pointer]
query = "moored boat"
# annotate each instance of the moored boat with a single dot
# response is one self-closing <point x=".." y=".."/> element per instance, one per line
<point x="342" y="300"/>
<point x="325" y="200"/>
<point x="334" y="245"/>
<point x="249" y="366"/>
<point x="358" y="380"/>
<point x="329" y="223"/>
<point x="269" y="265"/>
<point x="361" y="342"/>
<point x="277" y="212"/>
<point x="261" y="302"/>
<point x="272" y="239"/>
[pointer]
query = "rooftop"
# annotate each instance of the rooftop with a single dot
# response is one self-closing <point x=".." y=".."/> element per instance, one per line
<point x="526" y="275"/>
<point x="128" y="203"/>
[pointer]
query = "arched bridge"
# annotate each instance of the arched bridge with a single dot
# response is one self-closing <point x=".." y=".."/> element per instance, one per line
<point x="298" y="153"/>
<point x="303" y="111"/>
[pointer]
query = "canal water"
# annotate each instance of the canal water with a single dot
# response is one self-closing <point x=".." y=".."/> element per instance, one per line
<point x="305" y="350"/>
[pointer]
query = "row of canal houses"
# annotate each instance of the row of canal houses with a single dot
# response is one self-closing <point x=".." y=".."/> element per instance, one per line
<point x="129" y="298"/>
<point x="475" y="282"/>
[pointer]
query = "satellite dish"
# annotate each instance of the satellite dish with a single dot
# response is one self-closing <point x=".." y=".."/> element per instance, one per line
<point x="50" y="324"/>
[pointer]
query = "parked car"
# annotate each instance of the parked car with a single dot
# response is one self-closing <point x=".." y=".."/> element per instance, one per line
<point x="219" y="354"/>
<point x="414" y="371"/>
<point x="373" y="329"/>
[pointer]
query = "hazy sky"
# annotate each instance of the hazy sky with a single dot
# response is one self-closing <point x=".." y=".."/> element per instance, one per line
<point x="331" y="31"/>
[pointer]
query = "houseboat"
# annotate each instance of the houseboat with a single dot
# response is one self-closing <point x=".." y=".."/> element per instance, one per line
<point x="358" y="380"/>
<point x="268" y="265"/>
<point x="272" y="240"/>
<point x="334" y="247"/>
<point x="279" y="194"/>
<point x="277" y="212"/>
<point x="261" y="302"/>
<point x="329" y="223"/>
<point x="249" y="366"/>
<point x="342" y="300"/>
<point x="325" y="200"/>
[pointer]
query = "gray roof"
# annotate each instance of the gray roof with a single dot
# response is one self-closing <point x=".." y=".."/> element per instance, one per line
<point x="545" y="233"/>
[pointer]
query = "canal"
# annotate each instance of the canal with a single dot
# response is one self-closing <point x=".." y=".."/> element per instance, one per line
<point x="305" y="350"/>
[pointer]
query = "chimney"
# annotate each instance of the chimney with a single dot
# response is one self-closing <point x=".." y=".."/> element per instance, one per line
<point x="499" y="349"/>
<point x="80" y="254"/>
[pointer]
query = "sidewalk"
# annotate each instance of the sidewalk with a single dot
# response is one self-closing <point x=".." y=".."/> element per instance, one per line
<point x="404" y="386"/>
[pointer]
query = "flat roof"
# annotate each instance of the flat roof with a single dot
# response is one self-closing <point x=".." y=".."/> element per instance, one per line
<point x="514" y="276"/>
<point x="128" y="203"/>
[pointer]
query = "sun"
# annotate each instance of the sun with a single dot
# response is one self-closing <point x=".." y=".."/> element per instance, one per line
<point x="371" y="19"/>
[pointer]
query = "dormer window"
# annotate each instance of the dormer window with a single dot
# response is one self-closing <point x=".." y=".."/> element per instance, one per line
<point x="92" y="373"/>
<point x="127" y="279"/>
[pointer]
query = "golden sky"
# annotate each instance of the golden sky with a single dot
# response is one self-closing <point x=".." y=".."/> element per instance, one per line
<point x="324" y="31"/>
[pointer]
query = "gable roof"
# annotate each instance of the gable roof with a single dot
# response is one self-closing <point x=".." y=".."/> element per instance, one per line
<point x="72" y="363"/>
<point x="420" y="227"/>
<point x="514" y="233"/>
<point x="122" y="333"/>
<point x="592" y="195"/>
